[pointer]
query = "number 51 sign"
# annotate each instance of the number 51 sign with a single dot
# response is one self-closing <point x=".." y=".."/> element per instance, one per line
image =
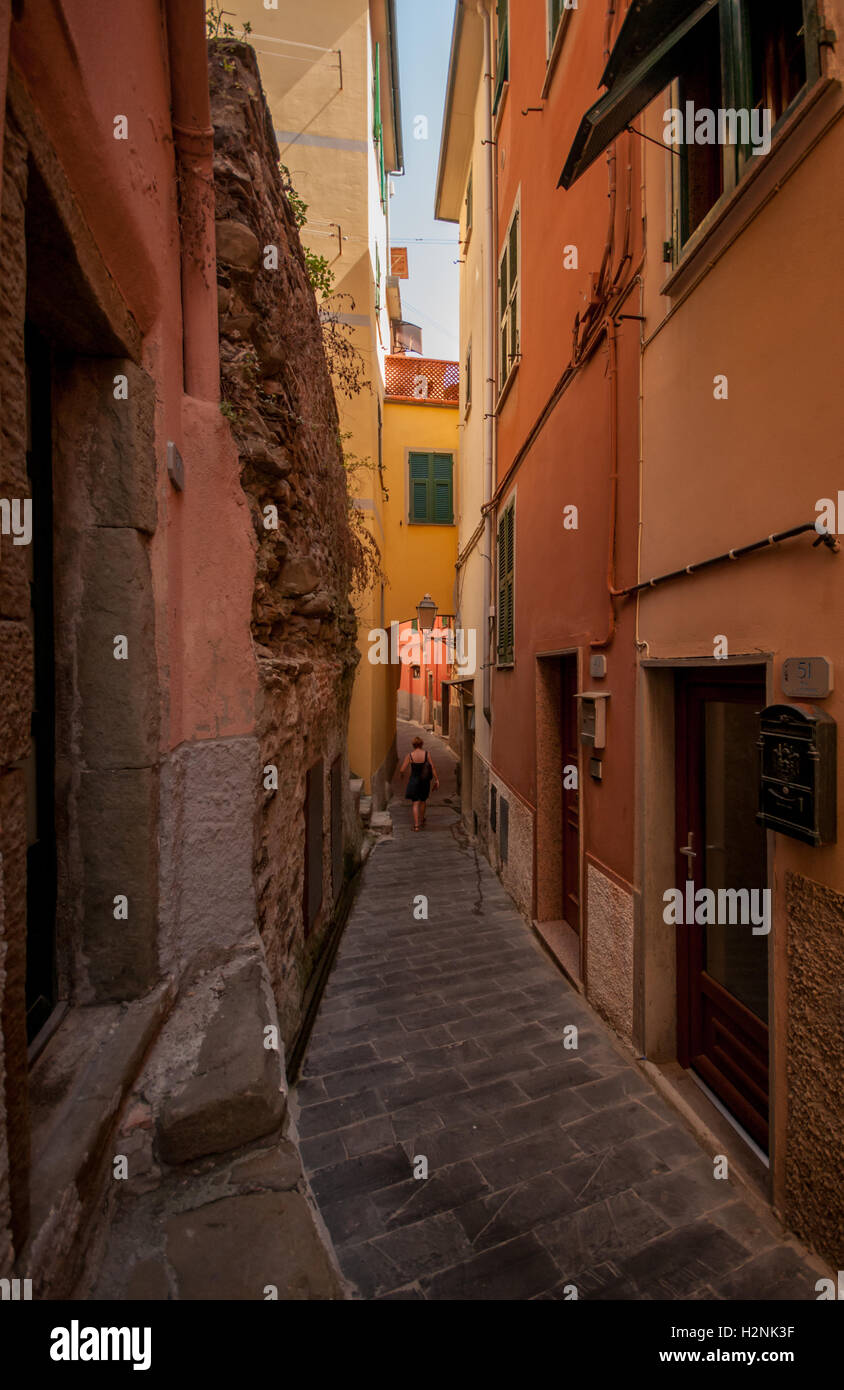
<point x="807" y="676"/>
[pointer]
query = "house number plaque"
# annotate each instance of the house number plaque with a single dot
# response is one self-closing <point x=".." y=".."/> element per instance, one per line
<point x="809" y="677"/>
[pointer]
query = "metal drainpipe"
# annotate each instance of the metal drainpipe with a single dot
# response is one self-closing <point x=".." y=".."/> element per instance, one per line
<point x="193" y="135"/>
<point x="488" y="361"/>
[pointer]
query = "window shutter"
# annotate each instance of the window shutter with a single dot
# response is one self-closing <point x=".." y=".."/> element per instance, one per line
<point x="376" y="119"/>
<point x="503" y="66"/>
<point x="511" y="524"/>
<point x="505" y="586"/>
<point x="443" y="476"/>
<point x="420" y="487"/>
<point x="501" y="550"/>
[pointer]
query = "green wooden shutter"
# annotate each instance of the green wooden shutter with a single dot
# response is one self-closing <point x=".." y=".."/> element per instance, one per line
<point x="503" y="67"/>
<point x="443" y="473"/>
<point x="420" y="487"/>
<point x="511" y="527"/>
<point x="506" y="536"/>
<point x="501" y="552"/>
<point x="378" y="128"/>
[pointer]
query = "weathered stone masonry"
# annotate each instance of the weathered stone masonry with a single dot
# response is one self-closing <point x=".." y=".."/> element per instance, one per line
<point x="277" y="390"/>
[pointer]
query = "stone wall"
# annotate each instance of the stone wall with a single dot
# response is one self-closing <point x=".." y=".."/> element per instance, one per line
<point x="16" y="692"/>
<point x="815" y="1049"/>
<point x="277" y="394"/>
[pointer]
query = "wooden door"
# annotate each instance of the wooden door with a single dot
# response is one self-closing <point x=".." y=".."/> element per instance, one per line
<point x="571" y="793"/>
<point x="722" y="980"/>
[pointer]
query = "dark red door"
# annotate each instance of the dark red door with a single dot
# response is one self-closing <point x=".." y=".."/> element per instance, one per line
<point x="722" y="979"/>
<point x="571" y="794"/>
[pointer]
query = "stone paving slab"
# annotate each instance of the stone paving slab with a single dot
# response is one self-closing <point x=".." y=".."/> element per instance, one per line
<point x="458" y="1149"/>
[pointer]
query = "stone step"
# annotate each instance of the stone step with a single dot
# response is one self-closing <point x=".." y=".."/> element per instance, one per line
<point x="381" y="821"/>
<point x="356" y="789"/>
<point x="365" y="809"/>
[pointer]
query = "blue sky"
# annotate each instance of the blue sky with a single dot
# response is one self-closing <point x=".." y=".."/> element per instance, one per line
<point x="430" y="296"/>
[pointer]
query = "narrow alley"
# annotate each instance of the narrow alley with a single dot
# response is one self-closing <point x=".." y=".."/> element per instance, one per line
<point x="550" y="1169"/>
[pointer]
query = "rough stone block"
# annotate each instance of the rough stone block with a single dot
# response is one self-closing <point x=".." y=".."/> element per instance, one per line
<point x="17" y="681"/>
<point x="118" y="827"/>
<point x="237" y="245"/>
<point x="14" y="579"/>
<point x="119" y="698"/>
<point x="234" y="1248"/>
<point x="234" y="1095"/>
<point x="207" y="787"/>
<point x="113" y="440"/>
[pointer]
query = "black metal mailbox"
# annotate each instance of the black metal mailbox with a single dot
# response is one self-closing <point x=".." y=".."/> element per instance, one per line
<point x="797" y="781"/>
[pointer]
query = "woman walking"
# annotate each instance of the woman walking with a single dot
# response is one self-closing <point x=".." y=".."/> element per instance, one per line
<point x="422" y="774"/>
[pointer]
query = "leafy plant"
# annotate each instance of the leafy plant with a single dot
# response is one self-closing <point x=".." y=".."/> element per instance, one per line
<point x="367" y="569"/>
<point x="298" y="206"/>
<point x="319" y="271"/>
<point x="218" y="27"/>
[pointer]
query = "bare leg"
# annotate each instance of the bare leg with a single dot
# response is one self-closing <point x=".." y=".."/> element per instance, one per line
<point x="416" y="805"/>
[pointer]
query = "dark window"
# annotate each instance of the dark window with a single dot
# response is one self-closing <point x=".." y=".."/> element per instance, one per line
<point x="504" y="832"/>
<point x="431" y="488"/>
<point x="508" y="302"/>
<point x="313" y="844"/>
<point x="469" y="209"/>
<point x="502" y="69"/>
<point x="776" y="33"/>
<point x="740" y="57"/>
<point x="556" y="10"/>
<point x="336" y="827"/>
<point x="702" y="178"/>
<point x="506" y="572"/>
<point x="467" y="376"/>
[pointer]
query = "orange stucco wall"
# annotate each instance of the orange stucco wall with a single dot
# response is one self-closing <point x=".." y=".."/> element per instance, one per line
<point x="561" y="596"/>
<point x="202" y="552"/>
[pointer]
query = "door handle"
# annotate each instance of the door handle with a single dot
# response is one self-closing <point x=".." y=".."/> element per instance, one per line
<point x="690" y="853"/>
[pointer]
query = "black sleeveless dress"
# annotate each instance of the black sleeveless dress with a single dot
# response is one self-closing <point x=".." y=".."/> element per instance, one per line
<point x="418" y="787"/>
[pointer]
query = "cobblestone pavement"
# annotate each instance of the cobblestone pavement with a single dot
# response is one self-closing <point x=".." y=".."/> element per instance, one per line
<point x="547" y="1167"/>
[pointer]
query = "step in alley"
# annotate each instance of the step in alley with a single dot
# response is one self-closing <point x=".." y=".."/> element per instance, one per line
<point x="552" y="1172"/>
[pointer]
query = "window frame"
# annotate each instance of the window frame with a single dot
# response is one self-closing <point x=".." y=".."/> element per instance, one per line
<point x="737" y="161"/>
<point x="431" y="480"/>
<point x="554" y="41"/>
<point x="514" y="300"/>
<point x="505" y="650"/>
<point x="502" y="52"/>
<point x="468" y="204"/>
<point x="467" y="378"/>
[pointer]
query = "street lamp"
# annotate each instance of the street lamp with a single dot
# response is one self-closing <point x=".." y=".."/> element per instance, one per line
<point x="426" y="612"/>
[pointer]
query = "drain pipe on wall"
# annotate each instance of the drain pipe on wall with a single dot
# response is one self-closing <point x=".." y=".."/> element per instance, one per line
<point x="488" y="361"/>
<point x="193" y="135"/>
